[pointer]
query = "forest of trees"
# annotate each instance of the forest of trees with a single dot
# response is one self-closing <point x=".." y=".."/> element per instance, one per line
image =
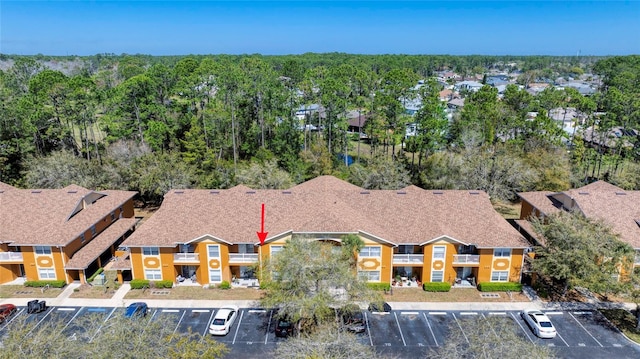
<point x="150" y="124"/>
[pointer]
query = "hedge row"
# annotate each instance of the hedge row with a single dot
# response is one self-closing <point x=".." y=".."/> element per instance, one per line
<point x="90" y="279"/>
<point x="163" y="284"/>
<point x="382" y="286"/>
<point x="139" y="283"/>
<point x="224" y="285"/>
<point x="44" y="283"/>
<point x="436" y="286"/>
<point x="499" y="287"/>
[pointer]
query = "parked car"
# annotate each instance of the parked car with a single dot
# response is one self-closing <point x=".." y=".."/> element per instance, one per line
<point x="539" y="323"/>
<point x="223" y="320"/>
<point x="6" y="310"/>
<point x="353" y="319"/>
<point x="379" y="307"/>
<point x="36" y="306"/>
<point x="284" y="327"/>
<point x="137" y="309"/>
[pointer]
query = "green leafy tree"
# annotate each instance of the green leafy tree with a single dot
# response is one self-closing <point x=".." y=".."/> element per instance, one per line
<point x="328" y="342"/>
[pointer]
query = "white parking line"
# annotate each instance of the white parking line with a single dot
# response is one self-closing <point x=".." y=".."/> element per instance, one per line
<point x="72" y="318"/>
<point x="400" y="329"/>
<point x="585" y="329"/>
<point x="554" y="313"/>
<point x="497" y="313"/>
<point x="238" y="327"/>
<point x="431" y="330"/>
<point x="200" y="311"/>
<point x="437" y="313"/>
<point x="15" y="315"/>
<point x="409" y="313"/>
<point x="266" y="337"/>
<point x="208" y="323"/>
<point x="582" y="313"/>
<point x="66" y="309"/>
<point x="170" y="311"/>
<point x="368" y="328"/>
<point x="41" y="320"/>
<point x="564" y="341"/>
<point x="179" y="321"/>
<point x="468" y="313"/>
<point x="521" y="327"/>
<point x="459" y="326"/>
<point x="257" y="311"/>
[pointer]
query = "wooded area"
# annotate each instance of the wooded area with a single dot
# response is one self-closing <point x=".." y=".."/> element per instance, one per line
<point x="150" y="124"/>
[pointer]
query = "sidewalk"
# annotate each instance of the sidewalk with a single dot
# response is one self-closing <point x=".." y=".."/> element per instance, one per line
<point x="118" y="300"/>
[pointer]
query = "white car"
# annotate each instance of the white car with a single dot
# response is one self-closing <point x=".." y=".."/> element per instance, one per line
<point x="223" y="320"/>
<point x="539" y="323"/>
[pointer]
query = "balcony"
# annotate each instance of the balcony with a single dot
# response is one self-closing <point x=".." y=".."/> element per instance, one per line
<point x="408" y="258"/>
<point x="10" y="256"/>
<point x="186" y="258"/>
<point x="466" y="259"/>
<point x="243" y="257"/>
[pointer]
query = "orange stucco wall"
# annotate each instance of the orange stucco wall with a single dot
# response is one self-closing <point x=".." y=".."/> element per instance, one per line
<point x="449" y="270"/>
<point x="486" y="260"/>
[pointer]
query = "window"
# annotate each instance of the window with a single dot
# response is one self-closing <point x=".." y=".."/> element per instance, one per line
<point x="438" y="252"/>
<point x="370" y="252"/>
<point x="275" y="249"/>
<point x="502" y="252"/>
<point x="499" y="276"/>
<point x="215" y="275"/>
<point x="152" y="274"/>
<point x="214" y="251"/>
<point x="47" y="273"/>
<point x="150" y="251"/>
<point x="43" y="250"/>
<point x="113" y="216"/>
<point x="82" y="238"/>
<point x="437" y="276"/>
<point x="369" y="275"/>
<point x="93" y="231"/>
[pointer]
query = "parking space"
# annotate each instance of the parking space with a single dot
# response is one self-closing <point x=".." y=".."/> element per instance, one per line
<point x="384" y="330"/>
<point x="196" y="321"/>
<point x="256" y="327"/>
<point x="599" y="328"/>
<point x="415" y="329"/>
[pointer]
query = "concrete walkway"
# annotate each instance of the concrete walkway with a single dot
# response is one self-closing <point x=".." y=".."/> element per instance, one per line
<point x="118" y="300"/>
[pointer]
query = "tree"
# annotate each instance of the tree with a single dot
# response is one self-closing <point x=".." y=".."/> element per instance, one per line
<point x="307" y="280"/>
<point x="579" y="251"/>
<point x="263" y="176"/>
<point x="487" y="338"/>
<point x="352" y="244"/>
<point x="380" y="173"/>
<point x="117" y="337"/>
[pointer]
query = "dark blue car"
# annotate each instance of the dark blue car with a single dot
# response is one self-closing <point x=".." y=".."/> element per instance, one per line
<point x="137" y="309"/>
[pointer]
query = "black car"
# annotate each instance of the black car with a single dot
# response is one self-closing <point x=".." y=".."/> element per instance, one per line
<point x="284" y="328"/>
<point x="379" y="307"/>
<point x="353" y="319"/>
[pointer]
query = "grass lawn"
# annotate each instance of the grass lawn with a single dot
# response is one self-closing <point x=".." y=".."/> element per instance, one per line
<point x="93" y="292"/>
<point x="454" y="295"/>
<point x="20" y="291"/>
<point x="623" y="320"/>
<point x="195" y="293"/>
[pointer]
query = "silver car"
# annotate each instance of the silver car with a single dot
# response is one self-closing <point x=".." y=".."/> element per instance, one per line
<point x="539" y="323"/>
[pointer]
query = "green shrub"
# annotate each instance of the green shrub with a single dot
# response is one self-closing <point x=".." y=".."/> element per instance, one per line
<point x="436" y="286"/>
<point x="90" y="279"/>
<point x="499" y="287"/>
<point x="44" y="283"/>
<point x="224" y="285"/>
<point x="163" y="284"/>
<point x="139" y="283"/>
<point x="379" y="286"/>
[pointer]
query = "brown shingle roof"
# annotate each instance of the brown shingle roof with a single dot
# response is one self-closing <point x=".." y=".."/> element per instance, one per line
<point x="541" y="201"/>
<point x="327" y="205"/>
<point x="44" y="217"/>
<point x="5" y="187"/>
<point x="92" y="250"/>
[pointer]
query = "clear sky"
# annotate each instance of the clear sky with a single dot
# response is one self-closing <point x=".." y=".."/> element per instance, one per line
<point x="295" y="27"/>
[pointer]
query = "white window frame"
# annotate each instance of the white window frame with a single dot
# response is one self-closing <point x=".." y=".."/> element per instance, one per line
<point x="153" y="274"/>
<point x="83" y="238"/>
<point x="502" y="252"/>
<point x="94" y="231"/>
<point x="444" y="252"/>
<point x="213" y="273"/>
<point x="366" y="252"/>
<point x="369" y="275"/>
<point x="47" y="273"/>
<point x="275" y="249"/>
<point x="43" y="250"/>
<point x="497" y="276"/>
<point x="150" y="251"/>
<point x="440" y="272"/>
<point x="209" y="247"/>
<point x="113" y="216"/>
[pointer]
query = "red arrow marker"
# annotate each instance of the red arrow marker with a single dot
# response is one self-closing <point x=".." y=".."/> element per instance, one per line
<point x="262" y="235"/>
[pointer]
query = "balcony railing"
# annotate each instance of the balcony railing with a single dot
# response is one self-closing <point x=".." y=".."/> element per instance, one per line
<point x="186" y="257"/>
<point x="243" y="257"/>
<point x="466" y="259"/>
<point x="11" y="256"/>
<point x="408" y="258"/>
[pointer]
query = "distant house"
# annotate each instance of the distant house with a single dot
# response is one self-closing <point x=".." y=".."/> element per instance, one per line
<point x="472" y="86"/>
<point x="61" y="234"/>
<point x="356" y="122"/>
<point x="611" y="139"/>
<point x="445" y="95"/>
<point x="455" y="104"/>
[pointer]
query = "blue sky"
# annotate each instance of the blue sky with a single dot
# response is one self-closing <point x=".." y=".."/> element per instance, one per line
<point x="295" y="27"/>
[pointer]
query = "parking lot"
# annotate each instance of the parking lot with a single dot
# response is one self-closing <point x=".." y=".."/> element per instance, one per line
<point x="401" y="333"/>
